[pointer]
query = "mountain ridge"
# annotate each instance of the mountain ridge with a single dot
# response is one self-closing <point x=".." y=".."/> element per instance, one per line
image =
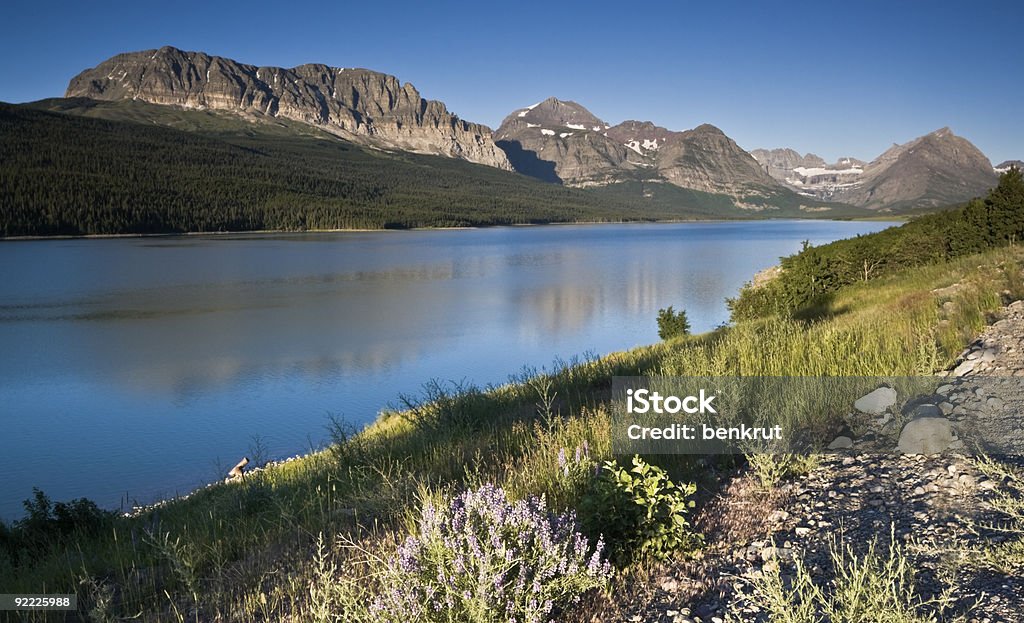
<point x="360" y="105"/>
<point x="561" y="141"/>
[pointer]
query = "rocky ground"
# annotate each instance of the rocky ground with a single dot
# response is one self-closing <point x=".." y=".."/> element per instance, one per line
<point x="903" y="470"/>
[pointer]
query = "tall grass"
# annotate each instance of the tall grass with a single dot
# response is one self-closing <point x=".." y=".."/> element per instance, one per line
<point x="288" y="539"/>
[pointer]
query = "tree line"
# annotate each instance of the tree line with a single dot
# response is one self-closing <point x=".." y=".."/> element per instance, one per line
<point x="809" y="277"/>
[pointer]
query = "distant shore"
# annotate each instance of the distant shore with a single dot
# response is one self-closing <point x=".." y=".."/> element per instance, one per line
<point x="269" y="232"/>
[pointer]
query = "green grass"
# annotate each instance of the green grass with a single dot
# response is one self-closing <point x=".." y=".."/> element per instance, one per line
<point x="878" y="586"/>
<point x="279" y="544"/>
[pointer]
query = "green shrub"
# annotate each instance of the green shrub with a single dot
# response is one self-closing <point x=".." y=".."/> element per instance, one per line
<point x="772" y="469"/>
<point x="640" y="512"/>
<point x="672" y="323"/>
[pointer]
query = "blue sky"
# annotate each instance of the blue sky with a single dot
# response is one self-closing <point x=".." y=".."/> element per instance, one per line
<point x="835" y="78"/>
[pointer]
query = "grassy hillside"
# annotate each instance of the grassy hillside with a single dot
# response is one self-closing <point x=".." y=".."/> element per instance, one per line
<point x="82" y="167"/>
<point x="314" y="539"/>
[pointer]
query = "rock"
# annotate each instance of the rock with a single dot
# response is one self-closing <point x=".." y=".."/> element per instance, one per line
<point x="876" y="402"/>
<point x="925" y="410"/>
<point x="840" y="442"/>
<point x="927" y="435"/>
<point x="964" y="368"/>
<point x="773" y="553"/>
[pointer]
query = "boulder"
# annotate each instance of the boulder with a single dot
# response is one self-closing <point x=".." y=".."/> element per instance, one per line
<point x="926" y="435"/>
<point x="840" y="443"/>
<point x="877" y="402"/>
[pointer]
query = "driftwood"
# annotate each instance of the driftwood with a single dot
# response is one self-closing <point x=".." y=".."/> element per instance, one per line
<point x="236" y="471"/>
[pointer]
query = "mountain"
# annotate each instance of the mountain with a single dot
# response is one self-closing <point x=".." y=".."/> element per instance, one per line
<point x="1004" y="166"/>
<point x="934" y="170"/>
<point x="704" y="158"/>
<point x="79" y="166"/>
<point x="563" y="142"/>
<point x="780" y="163"/>
<point x="359" y="105"/>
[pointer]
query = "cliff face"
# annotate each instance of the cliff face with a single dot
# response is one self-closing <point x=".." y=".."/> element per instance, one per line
<point x="356" y="104"/>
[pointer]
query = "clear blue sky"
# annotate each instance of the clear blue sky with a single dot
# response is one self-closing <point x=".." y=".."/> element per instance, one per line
<point x="836" y="78"/>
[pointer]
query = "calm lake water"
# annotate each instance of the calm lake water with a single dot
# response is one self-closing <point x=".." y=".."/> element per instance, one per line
<point x="130" y="369"/>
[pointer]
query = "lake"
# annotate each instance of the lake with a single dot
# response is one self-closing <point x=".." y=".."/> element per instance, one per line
<point x="137" y="368"/>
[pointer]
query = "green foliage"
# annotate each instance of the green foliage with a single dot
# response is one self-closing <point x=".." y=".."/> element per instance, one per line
<point x="672" y="323"/>
<point x="809" y="279"/>
<point x="46" y="524"/>
<point x="771" y="469"/>
<point x="47" y="520"/>
<point x="1007" y="554"/>
<point x="878" y="586"/>
<point x="640" y="512"/>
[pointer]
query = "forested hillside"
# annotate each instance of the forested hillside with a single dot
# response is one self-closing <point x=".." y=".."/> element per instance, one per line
<point x="809" y="279"/>
<point x="70" y="174"/>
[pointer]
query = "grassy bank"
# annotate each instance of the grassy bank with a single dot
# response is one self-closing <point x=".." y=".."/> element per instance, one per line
<point x="309" y="539"/>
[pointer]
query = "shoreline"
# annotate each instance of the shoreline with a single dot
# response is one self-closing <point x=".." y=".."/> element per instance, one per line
<point x="279" y="232"/>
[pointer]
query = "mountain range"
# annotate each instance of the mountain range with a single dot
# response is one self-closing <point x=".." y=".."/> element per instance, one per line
<point x="699" y="172"/>
<point x="934" y="170"/>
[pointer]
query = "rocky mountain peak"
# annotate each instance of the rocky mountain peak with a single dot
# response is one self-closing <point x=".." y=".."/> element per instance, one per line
<point x="1004" y="166"/>
<point x="707" y="128"/>
<point x="356" y="104"/>
<point x="554" y="114"/>
<point x="561" y="141"/>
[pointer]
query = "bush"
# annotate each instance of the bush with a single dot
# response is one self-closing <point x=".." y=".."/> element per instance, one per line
<point x="672" y="324"/>
<point x="484" y="559"/>
<point x="46" y="521"/>
<point x="640" y="512"/>
<point x="878" y="586"/>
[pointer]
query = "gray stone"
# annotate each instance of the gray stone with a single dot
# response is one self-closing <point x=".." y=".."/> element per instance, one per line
<point x="927" y="435"/>
<point x="964" y="368"/>
<point x="877" y="402"/>
<point x="925" y="410"/>
<point x="840" y="442"/>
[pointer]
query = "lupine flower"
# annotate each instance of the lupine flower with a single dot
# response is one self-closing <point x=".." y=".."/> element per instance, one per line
<point x="482" y="555"/>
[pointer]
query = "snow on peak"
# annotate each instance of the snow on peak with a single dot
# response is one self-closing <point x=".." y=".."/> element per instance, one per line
<point x="575" y="126"/>
<point x="547" y="132"/>
<point x="522" y="113"/>
<point x="811" y="171"/>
